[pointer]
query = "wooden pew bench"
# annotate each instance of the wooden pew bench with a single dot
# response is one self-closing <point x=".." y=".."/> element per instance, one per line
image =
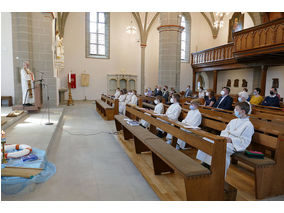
<point x="165" y="158"/>
<point x="268" y="138"/>
<point x="210" y="187"/>
<point x="107" y="109"/>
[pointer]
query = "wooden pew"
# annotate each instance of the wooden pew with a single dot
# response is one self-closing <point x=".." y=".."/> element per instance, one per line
<point x="269" y="139"/>
<point x="200" y="184"/>
<point x="107" y="107"/>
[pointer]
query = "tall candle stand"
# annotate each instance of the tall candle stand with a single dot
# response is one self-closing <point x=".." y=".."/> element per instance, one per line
<point x="70" y="100"/>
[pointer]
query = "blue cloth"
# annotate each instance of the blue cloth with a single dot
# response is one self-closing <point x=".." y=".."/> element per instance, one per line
<point x="208" y="101"/>
<point x="225" y="104"/>
<point x="271" y="101"/>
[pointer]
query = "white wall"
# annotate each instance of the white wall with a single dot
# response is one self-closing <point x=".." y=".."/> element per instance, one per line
<point x="275" y="72"/>
<point x="240" y="74"/>
<point x="7" y="73"/>
<point x="125" y="55"/>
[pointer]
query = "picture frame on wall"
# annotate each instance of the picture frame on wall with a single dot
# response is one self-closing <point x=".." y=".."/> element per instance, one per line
<point x="236" y="23"/>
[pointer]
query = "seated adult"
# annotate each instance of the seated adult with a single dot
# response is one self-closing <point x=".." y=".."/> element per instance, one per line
<point x="256" y="98"/>
<point x="159" y="91"/>
<point x="209" y="98"/>
<point x="117" y="93"/>
<point x="272" y="100"/>
<point x="243" y="96"/>
<point x="165" y="93"/>
<point x="188" y="92"/>
<point x="238" y="134"/>
<point x="172" y="112"/>
<point x="201" y="92"/>
<point x="225" y="101"/>
<point x="159" y="109"/>
<point x="149" y="93"/>
<point x="155" y="90"/>
<point x="146" y="92"/>
<point x="193" y="118"/>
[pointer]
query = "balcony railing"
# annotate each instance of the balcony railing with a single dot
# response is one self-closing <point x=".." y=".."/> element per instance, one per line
<point x="216" y="54"/>
<point x="263" y="39"/>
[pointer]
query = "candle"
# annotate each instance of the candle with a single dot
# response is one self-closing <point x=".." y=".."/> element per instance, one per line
<point x="69" y="79"/>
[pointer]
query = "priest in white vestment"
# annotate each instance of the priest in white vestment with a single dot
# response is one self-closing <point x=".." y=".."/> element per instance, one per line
<point x="193" y="119"/>
<point x="27" y="81"/>
<point x="172" y="112"/>
<point x="238" y="133"/>
<point x="159" y="109"/>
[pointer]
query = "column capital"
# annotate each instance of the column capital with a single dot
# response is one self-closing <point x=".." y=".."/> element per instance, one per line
<point x="177" y="28"/>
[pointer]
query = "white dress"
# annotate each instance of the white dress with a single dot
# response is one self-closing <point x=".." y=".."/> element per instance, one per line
<point x="121" y="100"/>
<point x="25" y="77"/>
<point x="159" y="109"/>
<point x="193" y="118"/>
<point x="117" y="94"/>
<point x="172" y="113"/>
<point x="240" y="130"/>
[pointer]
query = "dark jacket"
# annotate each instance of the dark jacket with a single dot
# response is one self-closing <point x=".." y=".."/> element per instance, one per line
<point x="271" y="101"/>
<point x="159" y="92"/>
<point x="225" y="104"/>
<point x="166" y="95"/>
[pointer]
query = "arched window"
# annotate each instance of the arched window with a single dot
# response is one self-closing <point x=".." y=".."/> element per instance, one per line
<point x="184" y="54"/>
<point x="97" y="35"/>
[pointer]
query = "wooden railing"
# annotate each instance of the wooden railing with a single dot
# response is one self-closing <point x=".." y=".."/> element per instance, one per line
<point x="261" y="39"/>
<point x="216" y="54"/>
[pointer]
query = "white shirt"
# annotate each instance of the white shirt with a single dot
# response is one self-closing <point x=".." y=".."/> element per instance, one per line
<point x="134" y="100"/>
<point x="240" y="130"/>
<point x="201" y="94"/>
<point x="159" y="108"/>
<point x="193" y="118"/>
<point x="173" y="111"/>
<point x="122" y="98"/>
<point x="128" y="98"/>
<point x="117" y="94"/>
<point x="25" y="77"/>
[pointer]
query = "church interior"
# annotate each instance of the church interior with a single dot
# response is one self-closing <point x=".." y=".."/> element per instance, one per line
<point x="142" y="106"/>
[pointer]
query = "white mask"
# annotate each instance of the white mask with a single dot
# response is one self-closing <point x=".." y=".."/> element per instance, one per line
<point x="155" y="101"/>
<point x="222" y="93"/>
<point x="172" y="100"/>
<point x="145" y="93"/>
<point x="207" y="93"/>
<point x="240" y="99"/>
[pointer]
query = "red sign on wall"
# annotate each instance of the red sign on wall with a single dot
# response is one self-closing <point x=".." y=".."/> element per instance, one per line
<point x="73" y="80"/>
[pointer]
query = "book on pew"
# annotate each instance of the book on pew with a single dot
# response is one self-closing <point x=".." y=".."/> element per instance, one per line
<point x="133" y="123"/>
<point x="254" y="154"/>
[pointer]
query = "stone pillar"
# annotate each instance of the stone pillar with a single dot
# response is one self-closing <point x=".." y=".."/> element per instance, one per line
<point x="32" y="41"/>
<point x="169" y="50"/>
<point x="215" y="81"/>
<point x="142" y="86"/>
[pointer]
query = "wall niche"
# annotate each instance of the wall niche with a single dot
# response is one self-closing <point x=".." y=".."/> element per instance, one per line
<point x="123" y="81"/>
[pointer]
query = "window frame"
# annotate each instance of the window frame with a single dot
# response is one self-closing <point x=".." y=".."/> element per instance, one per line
<point x="187" y="40"/>
<point x="107" y="36"/>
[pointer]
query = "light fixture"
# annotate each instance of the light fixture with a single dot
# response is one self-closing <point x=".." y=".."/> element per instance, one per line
<point x="219" y="23"/>
<point x="131" y="29"/>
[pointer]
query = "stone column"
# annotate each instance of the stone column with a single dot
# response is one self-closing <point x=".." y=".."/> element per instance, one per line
<point x="142" y="86"/>
<point x="169" y="50"/>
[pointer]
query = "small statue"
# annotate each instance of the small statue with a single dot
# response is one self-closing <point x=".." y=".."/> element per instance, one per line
<point x="245" y="83"/>
<point x="236" y="83"/>
<point x="229" y="83"/>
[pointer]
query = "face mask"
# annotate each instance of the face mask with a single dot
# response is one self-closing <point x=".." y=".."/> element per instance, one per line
<point x="237" y="113"/>
<point x="156" y="102"/>
<point x="222" y="93"/>
<point x="255" y="93"/>
<point x="207" y="93"/>
<point x="192" y="107"/>
<point x="271" y="93"/>
<point x="145" y="93"/>
<point x="240" y="99"/>
<point x="172" y="100"/>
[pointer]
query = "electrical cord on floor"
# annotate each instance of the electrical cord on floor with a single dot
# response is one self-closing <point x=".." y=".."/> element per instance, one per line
<point x="90" y="134"/>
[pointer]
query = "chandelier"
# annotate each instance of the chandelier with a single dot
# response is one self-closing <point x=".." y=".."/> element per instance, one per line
<point x="219" y="23"/>
<point x="131" y="29"/>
